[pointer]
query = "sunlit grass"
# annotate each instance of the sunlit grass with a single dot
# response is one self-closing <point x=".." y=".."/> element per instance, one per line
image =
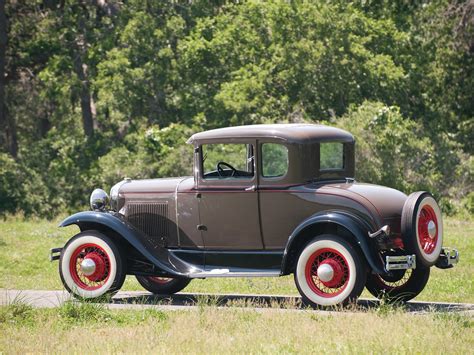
<point x="74" y="327"/>
<point x="24" y="264"/>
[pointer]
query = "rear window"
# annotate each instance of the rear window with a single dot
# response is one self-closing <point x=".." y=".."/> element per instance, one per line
<point x="331" y="156"/>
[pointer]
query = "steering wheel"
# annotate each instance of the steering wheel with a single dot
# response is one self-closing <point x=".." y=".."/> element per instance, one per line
<point x="220" y="169"/>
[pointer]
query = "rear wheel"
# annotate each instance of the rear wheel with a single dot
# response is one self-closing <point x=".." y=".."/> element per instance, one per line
<point x="401" y="286"/>
<point x="329" y="271"/>
<point x="90" y="265"/>
<point x="162" y="285"/>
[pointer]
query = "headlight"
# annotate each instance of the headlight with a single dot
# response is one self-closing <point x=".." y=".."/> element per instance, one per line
<point x="99" y="200"/>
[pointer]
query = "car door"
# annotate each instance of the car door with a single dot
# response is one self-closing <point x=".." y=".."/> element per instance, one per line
<point x="228" y="197"/>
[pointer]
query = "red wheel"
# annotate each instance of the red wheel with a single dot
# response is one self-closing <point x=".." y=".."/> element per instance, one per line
<point x="90" y="265"/>
<point x="422" y="228"/>
<point x="162" y="285"/>
<point x="427" y="229"/>
<point x="329" y="271"/>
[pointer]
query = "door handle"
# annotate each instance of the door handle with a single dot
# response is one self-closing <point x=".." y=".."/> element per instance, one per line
<point x="251" y="188"/>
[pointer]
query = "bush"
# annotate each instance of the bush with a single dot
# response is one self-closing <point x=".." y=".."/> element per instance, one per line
<point x="395" y="151"/>
<point x="390" y="149"/>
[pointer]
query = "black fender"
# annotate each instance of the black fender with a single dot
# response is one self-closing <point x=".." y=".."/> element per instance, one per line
<point x="352" y="223"/>
<point x="161" y="257"/>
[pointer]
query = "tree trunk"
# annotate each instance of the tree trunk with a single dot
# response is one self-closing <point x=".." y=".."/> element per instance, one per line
<point x="87" y="108"/>
<point x="8" y="135"/>
<point x="80" y="68"/>
<point x="3" y="47"/>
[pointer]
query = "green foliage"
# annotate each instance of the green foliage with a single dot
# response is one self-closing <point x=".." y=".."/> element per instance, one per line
<point x="399" y="76"/>
<point x="390" y="148"/>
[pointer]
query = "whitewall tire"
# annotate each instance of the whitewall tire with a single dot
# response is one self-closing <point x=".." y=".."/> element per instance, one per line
<point x="90" y="265"/>
<point x="422" y="227"/>
<point x="329" y="272"/>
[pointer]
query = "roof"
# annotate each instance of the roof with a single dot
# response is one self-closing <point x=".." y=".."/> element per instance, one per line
<point x="290" y="132"/>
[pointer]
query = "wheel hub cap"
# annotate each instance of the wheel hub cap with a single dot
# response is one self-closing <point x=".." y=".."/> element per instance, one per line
<point x="330" y="273"/>
<point x="88" y="266"/>
<point x="325" y="272"/>
<point x="431" y="229"/>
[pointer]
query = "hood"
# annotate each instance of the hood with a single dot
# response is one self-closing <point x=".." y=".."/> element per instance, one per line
<point x="151" y="185"/>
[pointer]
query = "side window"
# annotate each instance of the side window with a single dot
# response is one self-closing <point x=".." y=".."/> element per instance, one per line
<point x="227" y="161"/>
<point x="274" y="160"/>
<point x="331" y="156"/>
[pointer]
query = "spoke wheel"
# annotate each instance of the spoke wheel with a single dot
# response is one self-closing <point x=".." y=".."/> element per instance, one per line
<point x="329" y="272"/>
<point x="401" y="286"/>
<point x="90" y="265"/>
<point x="162" y="285"/>
<point x="422" y="228"/>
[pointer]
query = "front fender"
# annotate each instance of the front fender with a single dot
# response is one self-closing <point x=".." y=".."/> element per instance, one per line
<point x="347" y="221"/>
<point x="159" y="256"/>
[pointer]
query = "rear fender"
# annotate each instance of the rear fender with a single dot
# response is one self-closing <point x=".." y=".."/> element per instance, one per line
<point x="351" y="223"/>
<point x="159" y="256"/>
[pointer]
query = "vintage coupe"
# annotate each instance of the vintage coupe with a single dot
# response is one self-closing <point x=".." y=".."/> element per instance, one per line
<point x="265" y="200"/>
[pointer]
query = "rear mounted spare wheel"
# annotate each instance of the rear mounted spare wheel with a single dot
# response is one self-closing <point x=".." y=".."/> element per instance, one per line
<point x="422" y="227"/>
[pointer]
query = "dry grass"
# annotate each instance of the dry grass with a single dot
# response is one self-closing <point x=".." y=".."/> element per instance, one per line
<point x="209" y="329"/>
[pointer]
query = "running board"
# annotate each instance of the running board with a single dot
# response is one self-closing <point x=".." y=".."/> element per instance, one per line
<point x="234" y="273"/>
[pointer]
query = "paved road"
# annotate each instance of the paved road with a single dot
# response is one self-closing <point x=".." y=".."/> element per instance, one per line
<point x="140" y="300"/>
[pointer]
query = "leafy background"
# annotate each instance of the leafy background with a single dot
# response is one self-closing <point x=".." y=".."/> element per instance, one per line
<point x="93" y="91"/>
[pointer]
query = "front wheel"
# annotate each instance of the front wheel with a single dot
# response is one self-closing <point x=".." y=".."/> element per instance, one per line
<point x="162" y="285"/>
<point x="401" y="286"/>
<point x="329" y="272"/>
<point x="90" y="266"/>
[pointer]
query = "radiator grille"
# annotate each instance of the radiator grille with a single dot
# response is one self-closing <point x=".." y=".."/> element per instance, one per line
<point x="151" y="218"/>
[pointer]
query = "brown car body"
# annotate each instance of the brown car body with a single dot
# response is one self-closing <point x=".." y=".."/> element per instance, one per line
<point x="231" y="223"/>
<point x="192" y="226"/>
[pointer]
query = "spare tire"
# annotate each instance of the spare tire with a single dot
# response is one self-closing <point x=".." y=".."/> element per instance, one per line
<point x="422" y="227"/>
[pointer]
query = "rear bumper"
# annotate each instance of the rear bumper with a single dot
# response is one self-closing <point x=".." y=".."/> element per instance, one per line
<point x="447" y="258"/>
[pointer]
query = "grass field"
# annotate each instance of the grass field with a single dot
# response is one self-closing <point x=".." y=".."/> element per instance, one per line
<point x="24" y="264"/>
<point x="90" y="328"/>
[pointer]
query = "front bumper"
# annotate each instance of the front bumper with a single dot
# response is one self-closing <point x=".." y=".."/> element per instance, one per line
<point x="55" y="253"/>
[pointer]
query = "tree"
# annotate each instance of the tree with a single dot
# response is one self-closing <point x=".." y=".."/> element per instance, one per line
<point x="8" y="132"/>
